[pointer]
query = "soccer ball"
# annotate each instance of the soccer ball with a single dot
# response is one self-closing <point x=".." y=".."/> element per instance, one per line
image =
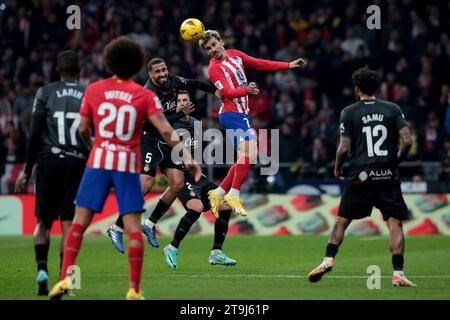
<point x="192" y="30"/>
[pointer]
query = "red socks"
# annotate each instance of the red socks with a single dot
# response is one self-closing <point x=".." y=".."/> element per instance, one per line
<point x="135" y="258"/>
<point x="73" y="243"/>
<point x="241" y="172"/>
<point x="135" y="253"/>
<point x="226" y="183"/>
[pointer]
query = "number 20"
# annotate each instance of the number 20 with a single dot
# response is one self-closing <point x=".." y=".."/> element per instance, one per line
<point x="120" y="120"/>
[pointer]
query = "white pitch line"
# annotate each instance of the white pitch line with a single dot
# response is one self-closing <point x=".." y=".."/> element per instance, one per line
<point x="295" y="276"/>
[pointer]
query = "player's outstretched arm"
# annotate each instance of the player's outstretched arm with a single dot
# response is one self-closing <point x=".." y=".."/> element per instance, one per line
<point x="405" y="143"/>
<point x="297" y="63"/>
<point x="201" y="85"/>
<point x="269" y="65"/>
<point x="173" y="139"/>
<point x="341" y="155"/>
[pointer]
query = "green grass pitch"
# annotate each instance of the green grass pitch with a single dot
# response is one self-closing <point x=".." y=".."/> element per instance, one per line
<point x="269" y="267"/>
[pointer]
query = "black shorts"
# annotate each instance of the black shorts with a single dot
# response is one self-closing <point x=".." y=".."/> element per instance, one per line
<point x="358" y="200"/>
<point x="193" y="190"/>
<point x="57" y="181"/>
<point x="156" y="154"/>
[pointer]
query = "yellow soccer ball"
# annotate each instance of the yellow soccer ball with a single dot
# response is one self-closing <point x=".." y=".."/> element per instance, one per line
<point x="192" y="30"/>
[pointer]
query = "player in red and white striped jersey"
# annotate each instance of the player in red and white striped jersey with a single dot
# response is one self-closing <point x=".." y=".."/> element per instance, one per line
<point x="116" y="107"/>
<point x="227" y="72"/>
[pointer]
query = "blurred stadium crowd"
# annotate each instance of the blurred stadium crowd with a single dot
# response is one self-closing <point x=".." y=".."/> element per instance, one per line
<point x="411" y="52"/>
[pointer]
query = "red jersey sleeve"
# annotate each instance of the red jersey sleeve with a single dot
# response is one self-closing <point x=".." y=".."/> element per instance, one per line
<point x="261" y="64"/>
<point x="217" y="77"/>
<point x="86" y="104"/>
<point x="154" y="105"/>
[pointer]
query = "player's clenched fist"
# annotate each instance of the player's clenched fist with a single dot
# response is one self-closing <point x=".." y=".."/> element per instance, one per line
<point x="252" y="88"/>
<point x="297" y="63"/>
<point x="21" y="182"/>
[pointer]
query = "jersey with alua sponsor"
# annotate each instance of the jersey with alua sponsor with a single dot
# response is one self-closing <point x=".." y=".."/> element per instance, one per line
<point x="60" y="102"/>
<point x="373" y="127"/>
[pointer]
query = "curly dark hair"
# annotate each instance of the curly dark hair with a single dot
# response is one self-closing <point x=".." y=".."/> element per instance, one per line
<point x="124" y="57"/>
<point x="366" y="80"/>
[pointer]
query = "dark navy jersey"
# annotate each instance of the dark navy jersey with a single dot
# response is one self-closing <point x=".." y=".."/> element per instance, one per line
<point x="55" y="121"/>
<point x="190" y="133"/>
<point x="373" y="127"/>
<point x="168" y="97"/>
<point x="60" y="102"/>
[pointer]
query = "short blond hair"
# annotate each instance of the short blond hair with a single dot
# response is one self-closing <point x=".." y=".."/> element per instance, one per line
<point x="208" y="35"/>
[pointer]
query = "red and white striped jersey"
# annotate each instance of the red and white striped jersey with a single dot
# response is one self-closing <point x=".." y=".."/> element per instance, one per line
<point x="117" y="109"/>
<point x="228" y="75"/>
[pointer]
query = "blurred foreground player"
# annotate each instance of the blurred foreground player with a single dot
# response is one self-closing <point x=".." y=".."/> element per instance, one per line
<point x="370" y="131"/>
<point x="61" y="156"/>
<point x="116" y="108"/>
<point x="227" y="72"/>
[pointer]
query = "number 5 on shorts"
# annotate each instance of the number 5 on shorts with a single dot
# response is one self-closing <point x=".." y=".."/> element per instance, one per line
<point x="148" y="157"/>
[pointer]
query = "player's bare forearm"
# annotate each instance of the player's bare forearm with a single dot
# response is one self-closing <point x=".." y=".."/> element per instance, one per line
<point x="341" y="155"/>
<point x="85" y="135"/>
<point x="163" y="126"/>
<point x="405" y="143"/>
<point x="340" y="159"/>
<point x="85" y="130"/>
<point x="169" y="135"/>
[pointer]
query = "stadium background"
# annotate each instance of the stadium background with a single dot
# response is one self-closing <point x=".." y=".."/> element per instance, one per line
<point x="411" y="52"/>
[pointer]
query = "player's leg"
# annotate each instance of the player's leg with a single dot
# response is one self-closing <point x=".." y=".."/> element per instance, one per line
<point x="397" y="245"/>
<point x="71" y="173"/>
<point x="115" y="231"/>
<point x="194" y="208"/>
<point x="81" y="221"/>
<point x="87" y="202"/>
<point x="244" y="138"/>
<point x="334" y="241"/>
<point x="135" y="254"/>
<point x="217" y="256"/>
<point x="41" y="245"/>
<point x="247" y="154"/>
<point x="175" y="178"/>
<point x="151" y="157"/>
<point x="356" y="203"/>
<point x="131" y="205"/>
<point x="65" y="226"/>
<point x="47" y="200"/>
<point x="394" y="211"/>
<point x="220" y="226"/>
<point x="147" y="183"/>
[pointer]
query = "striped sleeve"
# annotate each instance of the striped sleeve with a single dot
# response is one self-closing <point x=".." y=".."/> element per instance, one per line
<point x="218" y="78"/>
<point x="261" y="64"/>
